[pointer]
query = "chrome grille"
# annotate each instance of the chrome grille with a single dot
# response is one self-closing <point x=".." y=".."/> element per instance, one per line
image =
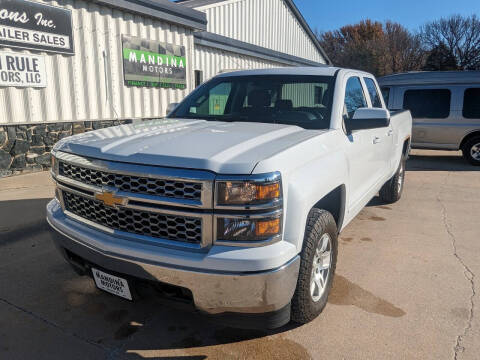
<point x="134" y="184"/>
<point x="170" y="227"/>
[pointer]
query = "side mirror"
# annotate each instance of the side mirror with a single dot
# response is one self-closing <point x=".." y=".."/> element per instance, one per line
<point x="368" y="118"/>
<point x="171" y="107"/>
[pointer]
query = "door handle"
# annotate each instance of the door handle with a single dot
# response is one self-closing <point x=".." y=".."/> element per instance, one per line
<point x="376" y="140"/>
<point x="390" y="132"/>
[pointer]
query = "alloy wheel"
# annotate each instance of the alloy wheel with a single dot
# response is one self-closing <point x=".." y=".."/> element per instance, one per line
<point x="322" y="262"/>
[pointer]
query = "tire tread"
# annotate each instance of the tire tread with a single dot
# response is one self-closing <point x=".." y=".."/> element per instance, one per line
<point x="318" y="222"/>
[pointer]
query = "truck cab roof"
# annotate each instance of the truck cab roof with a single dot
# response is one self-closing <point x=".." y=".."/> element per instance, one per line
<point x="320" y="71"/>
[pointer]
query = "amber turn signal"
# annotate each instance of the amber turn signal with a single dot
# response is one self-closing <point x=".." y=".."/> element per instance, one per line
<point x="268" y="227"/>
<point x="268" y="192"/>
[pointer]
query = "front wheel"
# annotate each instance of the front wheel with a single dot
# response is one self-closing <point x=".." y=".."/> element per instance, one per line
<point x="392" y="190"/>
<point x="317" y="266"/>
<point x="471" y="151"/>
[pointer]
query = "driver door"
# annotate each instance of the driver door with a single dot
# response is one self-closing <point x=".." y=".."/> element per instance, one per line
<point x="362" y="148"/>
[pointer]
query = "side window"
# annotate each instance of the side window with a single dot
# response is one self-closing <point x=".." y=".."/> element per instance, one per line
<point x="373" y="92"/>
<point x="428" y="103"/>
<point x="471" y="103"/>
<point x="385" y="94"/>
<point x="354" y="96"/>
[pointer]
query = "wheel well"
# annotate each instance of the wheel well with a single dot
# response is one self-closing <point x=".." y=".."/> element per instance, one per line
<point x="406" y="146"/>
<point x="468" y="137"/>
<point x="334" y="203"/>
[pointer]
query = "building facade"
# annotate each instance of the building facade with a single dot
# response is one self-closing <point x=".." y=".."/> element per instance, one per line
<point x="70" y="66"/>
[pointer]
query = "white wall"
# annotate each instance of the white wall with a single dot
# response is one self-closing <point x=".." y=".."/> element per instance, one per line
<point x="76" y="85"/>
<point x="212" y="61"/>
<point x="267" y="23"/>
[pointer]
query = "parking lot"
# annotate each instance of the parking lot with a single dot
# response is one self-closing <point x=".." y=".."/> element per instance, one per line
<point x="405" y="286"/>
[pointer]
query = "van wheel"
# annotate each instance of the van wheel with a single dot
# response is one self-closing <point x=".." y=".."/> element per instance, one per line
<point x="471" y="151"/>
<point x="317" y="266"/>
<point x="392" y="190"/>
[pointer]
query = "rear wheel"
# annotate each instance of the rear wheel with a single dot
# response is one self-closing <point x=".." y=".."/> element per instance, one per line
<point x="392" y="190"/>
<point x="471" y="151"/>
<point x="317" y="266"/>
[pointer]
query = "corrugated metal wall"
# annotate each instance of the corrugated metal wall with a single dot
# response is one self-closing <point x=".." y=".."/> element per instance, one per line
<point x="267" y="23"/>
<point x="89" y="85"/>
<point x="213" y="61"/>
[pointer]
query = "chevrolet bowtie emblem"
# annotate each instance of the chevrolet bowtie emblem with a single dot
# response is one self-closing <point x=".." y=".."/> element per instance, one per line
<point x="109" y="199"/>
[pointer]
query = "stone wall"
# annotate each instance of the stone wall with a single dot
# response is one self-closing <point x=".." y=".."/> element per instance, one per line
<point x="26" y="148"/>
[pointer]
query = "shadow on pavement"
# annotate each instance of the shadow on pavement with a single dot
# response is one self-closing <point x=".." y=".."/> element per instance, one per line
<point x="22" y="219"/>
<point x="36" y="281"/>
<point x="439" y="163"/>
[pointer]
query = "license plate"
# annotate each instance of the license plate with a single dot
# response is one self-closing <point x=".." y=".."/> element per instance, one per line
<point x="113" y="284"/>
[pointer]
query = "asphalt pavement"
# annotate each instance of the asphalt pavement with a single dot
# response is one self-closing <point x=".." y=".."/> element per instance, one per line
<point x="406" y="286"/>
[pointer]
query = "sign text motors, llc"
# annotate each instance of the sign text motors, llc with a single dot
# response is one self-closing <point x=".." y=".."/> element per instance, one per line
<point x="22" y="70"/>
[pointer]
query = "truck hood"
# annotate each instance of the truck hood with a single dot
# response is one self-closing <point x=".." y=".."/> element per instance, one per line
<point x="221" y="147"/>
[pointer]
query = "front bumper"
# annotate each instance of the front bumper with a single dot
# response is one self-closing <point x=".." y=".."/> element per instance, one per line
<point x="214" y="292"/>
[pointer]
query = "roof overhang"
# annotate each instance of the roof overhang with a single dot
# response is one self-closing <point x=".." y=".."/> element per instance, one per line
<point x="162" y="10"/>
<point x="208" y="39"/>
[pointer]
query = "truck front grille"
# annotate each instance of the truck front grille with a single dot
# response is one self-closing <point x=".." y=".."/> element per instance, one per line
<point x="134" y="184"/>
<point x="153" y="224"/>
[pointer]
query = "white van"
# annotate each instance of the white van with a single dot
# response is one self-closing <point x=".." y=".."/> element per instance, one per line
<point x="445" y="107"/>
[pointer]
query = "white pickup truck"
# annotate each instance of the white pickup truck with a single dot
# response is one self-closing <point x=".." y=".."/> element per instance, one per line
<point x="235" y="200"/>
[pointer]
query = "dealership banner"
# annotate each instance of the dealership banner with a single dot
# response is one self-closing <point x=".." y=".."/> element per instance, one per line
<point x="153" y="64"/>
<point x="35" y="26"/>
<point x="22" y="70"/>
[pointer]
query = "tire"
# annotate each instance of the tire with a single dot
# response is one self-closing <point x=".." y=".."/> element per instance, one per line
<point x="392" y="190"/>
<point x="471" y="151"/>
<point x="306" y="305"/>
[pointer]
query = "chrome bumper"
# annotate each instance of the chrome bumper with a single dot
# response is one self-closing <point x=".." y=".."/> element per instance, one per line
<point x="213" y="292"/>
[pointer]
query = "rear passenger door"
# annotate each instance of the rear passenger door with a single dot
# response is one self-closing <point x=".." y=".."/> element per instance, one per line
<point x="383" y="137"/>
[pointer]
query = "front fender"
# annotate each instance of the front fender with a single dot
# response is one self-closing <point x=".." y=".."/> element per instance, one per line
<point x="307" y="185"/>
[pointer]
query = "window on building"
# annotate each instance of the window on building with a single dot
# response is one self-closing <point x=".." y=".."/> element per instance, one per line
<point x="373" y="92"/>
<point x="354" y="96"/>
<point x="471" y="103"/>
<point x="198" y="78"/>
<point x="303" y="94"/>
<point x="385" y="94"/>
<point x="428" y="103"/>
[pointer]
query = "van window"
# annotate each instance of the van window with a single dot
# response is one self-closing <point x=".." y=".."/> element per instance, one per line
<point x="373" y="92"/>
<point x="428" y="103"/>
<point x="354" y="96"/>
<point x="385" y="94"/>
<point x="471" y="103"/>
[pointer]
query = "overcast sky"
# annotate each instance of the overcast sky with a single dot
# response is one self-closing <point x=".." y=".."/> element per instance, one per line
<point x="330" y="15"/>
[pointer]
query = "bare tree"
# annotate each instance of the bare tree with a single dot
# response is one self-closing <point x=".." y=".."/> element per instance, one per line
<point x="374" y="47"/>
<point x="460" y="35"/>
<point x="404" y="49"/>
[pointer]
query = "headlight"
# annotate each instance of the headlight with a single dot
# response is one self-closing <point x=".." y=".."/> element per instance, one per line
<point x="238" y="229"/>
<point x="260" y="189"/>
<point x="248" y="209"/>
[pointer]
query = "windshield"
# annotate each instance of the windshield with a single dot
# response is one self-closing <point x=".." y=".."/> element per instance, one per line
<point x="304" y="101"/>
